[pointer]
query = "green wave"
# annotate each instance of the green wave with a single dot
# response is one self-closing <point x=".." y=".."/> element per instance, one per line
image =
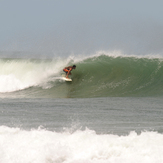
<point x="122" y="76"/>
<point x="105" y="76"/>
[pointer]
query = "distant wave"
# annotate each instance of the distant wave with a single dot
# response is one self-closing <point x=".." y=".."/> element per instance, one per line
<point x="96" y="76"/>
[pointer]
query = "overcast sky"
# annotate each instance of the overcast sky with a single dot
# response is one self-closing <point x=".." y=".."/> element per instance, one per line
<point x="81" y="26"/>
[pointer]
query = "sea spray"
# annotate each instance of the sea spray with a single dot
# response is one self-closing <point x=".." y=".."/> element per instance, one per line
<point x="19" y="74"/>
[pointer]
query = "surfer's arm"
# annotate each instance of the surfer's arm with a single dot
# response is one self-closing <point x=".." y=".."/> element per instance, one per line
<point x="69" y="71"/>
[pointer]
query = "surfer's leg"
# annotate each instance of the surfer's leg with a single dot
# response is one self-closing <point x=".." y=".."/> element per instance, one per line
<point x="66" y="71"/>
<point x="67" y="74"/>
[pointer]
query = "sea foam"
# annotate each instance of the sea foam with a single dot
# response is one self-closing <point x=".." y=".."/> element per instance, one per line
<point x="43" y="146"/>
<point x="19" y="74"/>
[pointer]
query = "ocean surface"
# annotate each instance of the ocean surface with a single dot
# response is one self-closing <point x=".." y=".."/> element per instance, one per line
<point x="111" y="112"/>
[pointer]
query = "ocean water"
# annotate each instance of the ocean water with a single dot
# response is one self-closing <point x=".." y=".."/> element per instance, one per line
<point x="112" y="111"/>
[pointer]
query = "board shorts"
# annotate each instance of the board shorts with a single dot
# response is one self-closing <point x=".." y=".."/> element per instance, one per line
<point x="65" y="70"/>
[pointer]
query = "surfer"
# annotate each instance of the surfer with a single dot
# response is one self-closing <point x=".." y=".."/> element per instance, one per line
<point x="68" y="70"/>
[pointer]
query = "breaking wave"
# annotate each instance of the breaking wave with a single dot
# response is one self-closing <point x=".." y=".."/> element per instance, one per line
<point x="95" y="76"/>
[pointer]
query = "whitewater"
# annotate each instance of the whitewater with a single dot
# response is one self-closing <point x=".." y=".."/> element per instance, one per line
<point x="111" y="112"/>
<point x="78" y="147"/>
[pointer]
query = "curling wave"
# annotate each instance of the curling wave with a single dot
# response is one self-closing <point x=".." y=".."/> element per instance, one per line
<point x="97" y="76"/>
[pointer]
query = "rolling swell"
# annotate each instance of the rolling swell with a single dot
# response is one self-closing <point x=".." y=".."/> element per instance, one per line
<point x="103" y="76"/>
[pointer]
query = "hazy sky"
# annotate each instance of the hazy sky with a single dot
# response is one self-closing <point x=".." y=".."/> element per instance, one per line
<point x="81" y="26"/>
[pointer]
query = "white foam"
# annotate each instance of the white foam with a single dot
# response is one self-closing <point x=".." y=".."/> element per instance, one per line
<point x="42" y="146"/>
<point x="21" y="74"/>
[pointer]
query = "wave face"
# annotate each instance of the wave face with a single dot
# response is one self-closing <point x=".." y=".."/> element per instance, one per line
<point x="98" y="76"/>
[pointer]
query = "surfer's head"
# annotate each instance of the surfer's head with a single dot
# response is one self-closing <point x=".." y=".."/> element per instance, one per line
<point x="74" y="66"/>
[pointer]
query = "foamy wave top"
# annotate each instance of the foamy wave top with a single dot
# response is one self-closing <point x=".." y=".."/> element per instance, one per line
<point x="81" y="146"/>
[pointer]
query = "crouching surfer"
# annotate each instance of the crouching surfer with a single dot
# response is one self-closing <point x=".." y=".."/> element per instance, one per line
<point x="68" y="70"/>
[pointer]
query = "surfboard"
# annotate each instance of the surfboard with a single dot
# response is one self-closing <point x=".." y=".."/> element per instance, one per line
<point x="66" y="79"/>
